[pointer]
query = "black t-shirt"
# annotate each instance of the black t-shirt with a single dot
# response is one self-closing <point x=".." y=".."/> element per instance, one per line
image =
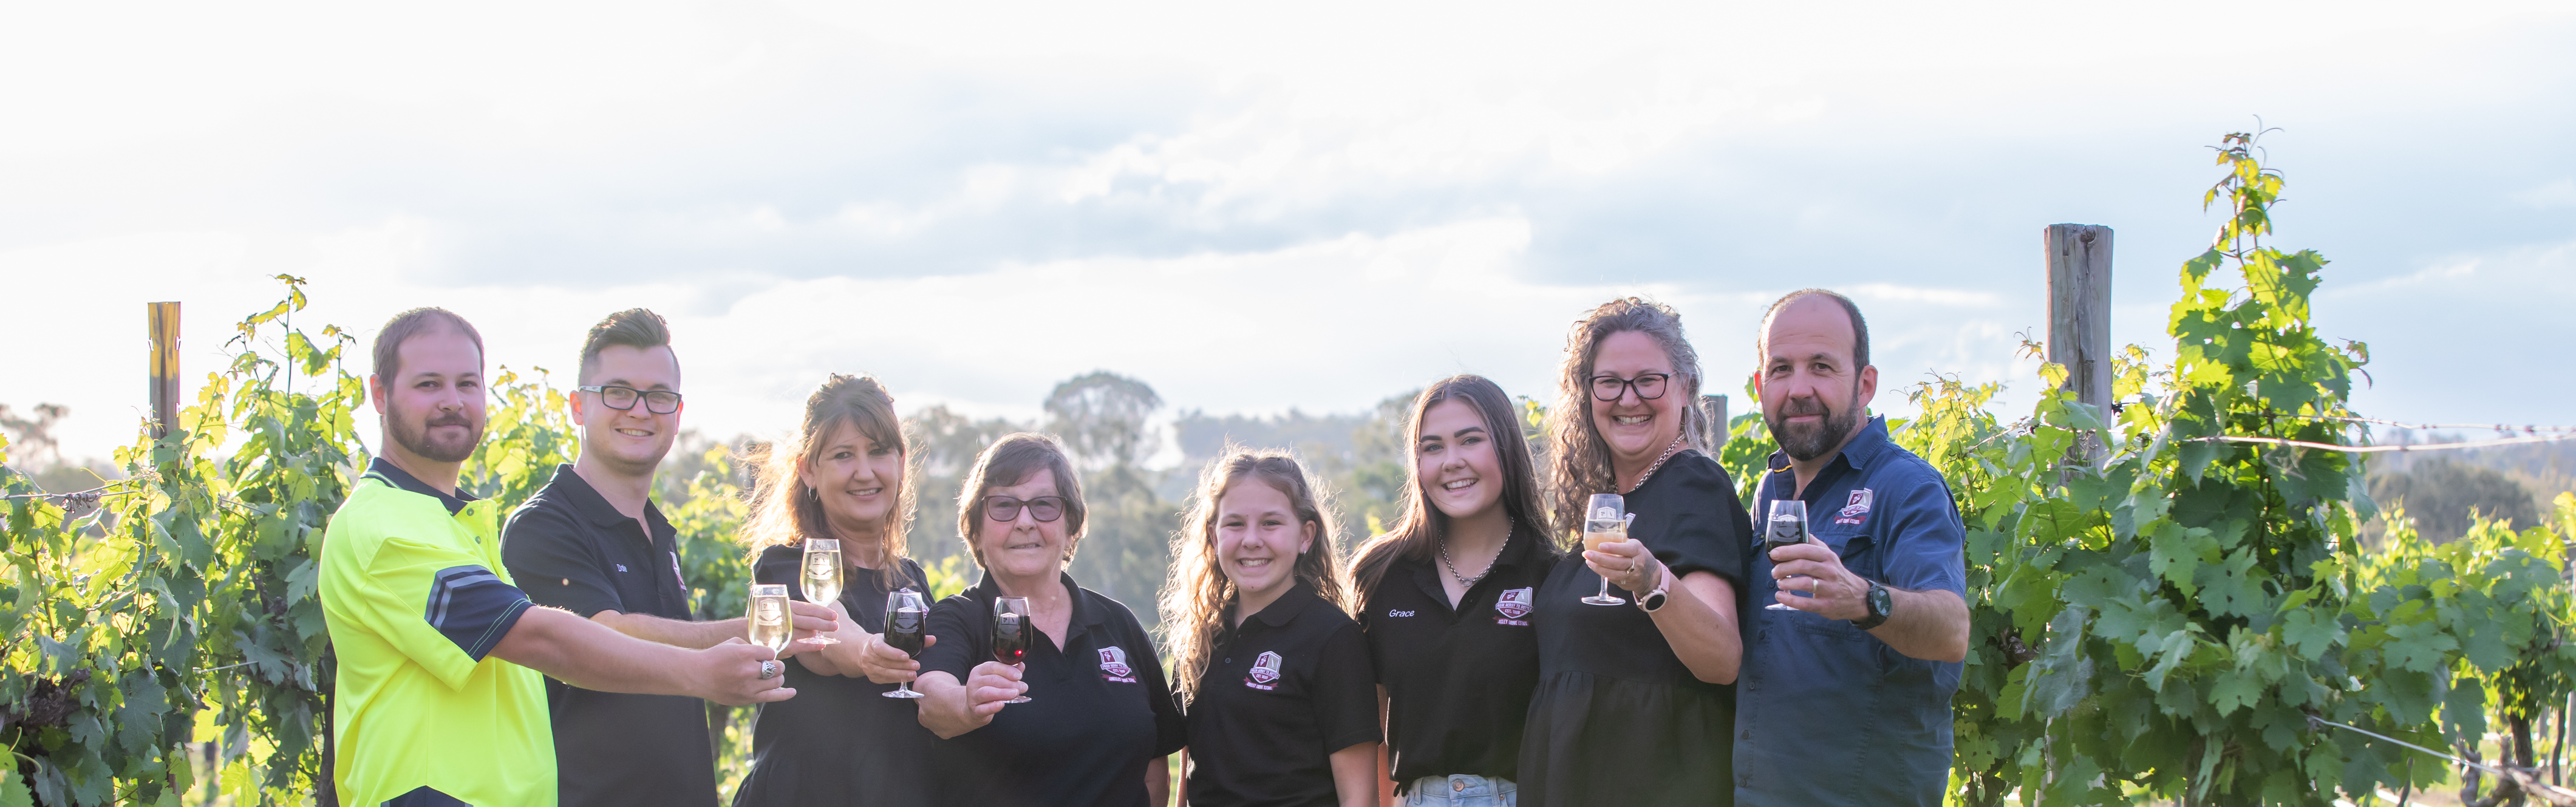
<point x="1099" y="709"/>
<point x="1287" y="688"/>
<point x="569" y="548"/>
<point x="840" y="740"/>
<point x="1458" y="681"/>
<point x="1689" y="516"/>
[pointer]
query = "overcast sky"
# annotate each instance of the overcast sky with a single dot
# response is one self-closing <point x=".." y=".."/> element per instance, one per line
<point x="1256" y="208"/>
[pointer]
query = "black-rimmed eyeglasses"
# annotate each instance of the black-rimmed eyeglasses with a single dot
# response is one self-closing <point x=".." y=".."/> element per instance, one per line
<point x="1649" y="386"/>
<point x="1043" y="508"/>
<point x="659" y="402"/>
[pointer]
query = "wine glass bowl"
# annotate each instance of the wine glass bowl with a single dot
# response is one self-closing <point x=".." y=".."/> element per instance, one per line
<point x="770" y="623"/>
<point x="1787" y="526"/>
<point x="820" y="573"/>
<point x="907" y="629"/>
<point x="1012" y="629"/>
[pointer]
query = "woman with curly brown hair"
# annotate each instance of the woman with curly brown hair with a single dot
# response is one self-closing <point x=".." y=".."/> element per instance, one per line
<point x="1274" y="676"/>
<point x="1635" y="701"/>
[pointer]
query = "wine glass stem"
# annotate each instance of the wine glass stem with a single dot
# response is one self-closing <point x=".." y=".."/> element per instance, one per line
<point x="1605" y="588"/>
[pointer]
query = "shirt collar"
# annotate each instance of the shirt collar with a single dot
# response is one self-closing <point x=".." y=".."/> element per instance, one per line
<point x="1863" y="449"/>
<point x="384" y="471"/>
<point x="1084" y="614"/>
<point x="588" y="501"/>
<point x="1285" y="609"/>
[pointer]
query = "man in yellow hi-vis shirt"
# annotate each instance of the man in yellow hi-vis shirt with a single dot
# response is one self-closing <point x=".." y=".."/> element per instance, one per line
<point x="438" y="700"/>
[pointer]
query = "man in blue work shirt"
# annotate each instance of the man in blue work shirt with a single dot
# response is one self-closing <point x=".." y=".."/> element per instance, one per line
<point x="1845" y="696"/>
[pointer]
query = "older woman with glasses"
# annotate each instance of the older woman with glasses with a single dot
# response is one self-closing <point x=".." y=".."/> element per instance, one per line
<point x="1045" y="692"/>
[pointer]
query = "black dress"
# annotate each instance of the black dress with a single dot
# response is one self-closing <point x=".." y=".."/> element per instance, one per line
<point x="1617" y="718"/>
<point x="840" y="740"/>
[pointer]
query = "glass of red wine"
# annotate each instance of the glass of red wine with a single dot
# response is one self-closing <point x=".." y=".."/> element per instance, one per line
<point x="1011" y="632"/>
<point x="907" y="625"/>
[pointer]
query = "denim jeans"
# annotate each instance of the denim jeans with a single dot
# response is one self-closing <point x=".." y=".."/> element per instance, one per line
<point x="1462" y="790"/>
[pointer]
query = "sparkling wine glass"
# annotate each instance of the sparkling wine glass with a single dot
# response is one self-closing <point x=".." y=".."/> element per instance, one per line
<point x="822" y="578"/>
<point x="1603" y="522"/>
<point x="770" y="625"/>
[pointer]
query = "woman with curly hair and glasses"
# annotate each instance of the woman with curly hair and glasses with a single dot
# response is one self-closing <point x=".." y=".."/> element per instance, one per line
<point x="1635" y="701"/>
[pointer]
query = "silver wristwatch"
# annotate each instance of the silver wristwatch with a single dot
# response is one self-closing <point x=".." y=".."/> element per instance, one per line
<point x="1653" y="601"/>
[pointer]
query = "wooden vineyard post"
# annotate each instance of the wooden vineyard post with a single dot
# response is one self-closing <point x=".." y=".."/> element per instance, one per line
<point x="2079" y="317"/>
<point x="163" y="324"/>
<point x="1714" y="406"/>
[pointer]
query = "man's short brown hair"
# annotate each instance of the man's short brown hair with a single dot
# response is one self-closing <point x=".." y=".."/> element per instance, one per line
<point x="637" y="328"/>
<point x="413" y="323"/>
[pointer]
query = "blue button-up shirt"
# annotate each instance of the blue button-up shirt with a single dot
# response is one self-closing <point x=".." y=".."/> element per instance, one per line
<point x="1827" y="713"/>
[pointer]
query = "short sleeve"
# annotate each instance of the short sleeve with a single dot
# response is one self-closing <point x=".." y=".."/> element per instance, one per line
<point x="964" y="638"/>
<point x="781" y="565"/>
<point x="543" y="549"/>
<point x="1345" y="691"/>
<point x="1171" y="730"/>
<point x="440" y="607"/>
<point x="1927" y="545"/>
<point x="1705" y="526"/>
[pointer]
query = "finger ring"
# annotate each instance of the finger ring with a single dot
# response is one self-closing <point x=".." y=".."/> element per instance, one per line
<point x="768" y="670"/>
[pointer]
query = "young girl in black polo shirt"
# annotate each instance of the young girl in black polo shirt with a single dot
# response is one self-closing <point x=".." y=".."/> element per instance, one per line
<point x="1274" y="676"/>
<point x="1448" y="595"/>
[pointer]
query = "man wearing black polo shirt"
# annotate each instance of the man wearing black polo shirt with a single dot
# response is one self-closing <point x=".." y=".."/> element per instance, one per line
<point x="1845" y="697"/>
<point x="592" y="542"/>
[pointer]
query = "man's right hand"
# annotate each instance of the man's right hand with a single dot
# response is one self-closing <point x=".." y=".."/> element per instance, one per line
<point x="730" y="674"/>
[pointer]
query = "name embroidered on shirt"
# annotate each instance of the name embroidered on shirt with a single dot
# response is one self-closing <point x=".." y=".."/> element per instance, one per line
<point x="1513" y="604"/>
<point x="1265" y="669"/>
<point x="1857" y="510"/>
<point x="1391" y="613"/>
<point x="1113" y="666"/>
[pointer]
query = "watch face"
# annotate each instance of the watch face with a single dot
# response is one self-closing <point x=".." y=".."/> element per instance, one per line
<point x="1880" y="602"/>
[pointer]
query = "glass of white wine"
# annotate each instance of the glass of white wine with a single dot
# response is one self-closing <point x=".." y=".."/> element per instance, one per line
<point x="770" y="624"/>
<point x="822" y="578"/>
<point x="1603" y="522"/>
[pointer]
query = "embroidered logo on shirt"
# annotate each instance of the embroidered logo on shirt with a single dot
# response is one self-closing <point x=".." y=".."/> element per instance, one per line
<point x="621" y="567"/>
<point x="675" y="572"/>
<point x="1113" y="666"/>
<point x="1392" y="613"/>
<point x="1513" y="604"/>
<point x="1857" y="511"/>
<point x="1265" y="669"/>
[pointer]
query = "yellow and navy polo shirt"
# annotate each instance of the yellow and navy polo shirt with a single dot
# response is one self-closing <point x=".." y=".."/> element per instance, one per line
<point x="416" y="597"/>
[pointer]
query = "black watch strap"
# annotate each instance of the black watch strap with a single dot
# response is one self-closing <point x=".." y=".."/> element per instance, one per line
<point x="1880" y="603"/>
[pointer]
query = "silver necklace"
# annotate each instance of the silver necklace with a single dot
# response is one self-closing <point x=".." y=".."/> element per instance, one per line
<point x="1669" y="451"/>
<point x="1465" y="582"/>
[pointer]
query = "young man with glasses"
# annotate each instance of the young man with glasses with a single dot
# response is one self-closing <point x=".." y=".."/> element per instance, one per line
<point x="591" y="542"/>
<point x="438" y="699"/>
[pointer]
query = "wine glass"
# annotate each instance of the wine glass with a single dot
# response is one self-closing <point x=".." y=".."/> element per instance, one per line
<point x="1011" y="632"/>
<point x="1603" y="523"/>
<point x="907" y="623"/>
<point x="822" y="578"/>
<point x="770" y="625"/>
<point x="1788" y="527"/>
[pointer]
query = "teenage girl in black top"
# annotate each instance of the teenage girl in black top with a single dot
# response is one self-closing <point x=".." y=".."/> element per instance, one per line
<point x="1448" y="598"/>
<point x="1274" y="676"/>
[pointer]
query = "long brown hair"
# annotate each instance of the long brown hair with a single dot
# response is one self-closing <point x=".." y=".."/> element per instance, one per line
<point x="1580" y="464"/>
<point x="785" y="511"/>
<point x="1199" y="595"/>
<point x="1418" y="531"/>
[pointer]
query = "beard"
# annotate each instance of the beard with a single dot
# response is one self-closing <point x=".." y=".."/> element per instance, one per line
<point x="1806" y="443"/>
<point x="415" y="437"/>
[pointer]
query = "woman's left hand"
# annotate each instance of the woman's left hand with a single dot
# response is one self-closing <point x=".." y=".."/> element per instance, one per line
<point x="1626" y="564"/>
